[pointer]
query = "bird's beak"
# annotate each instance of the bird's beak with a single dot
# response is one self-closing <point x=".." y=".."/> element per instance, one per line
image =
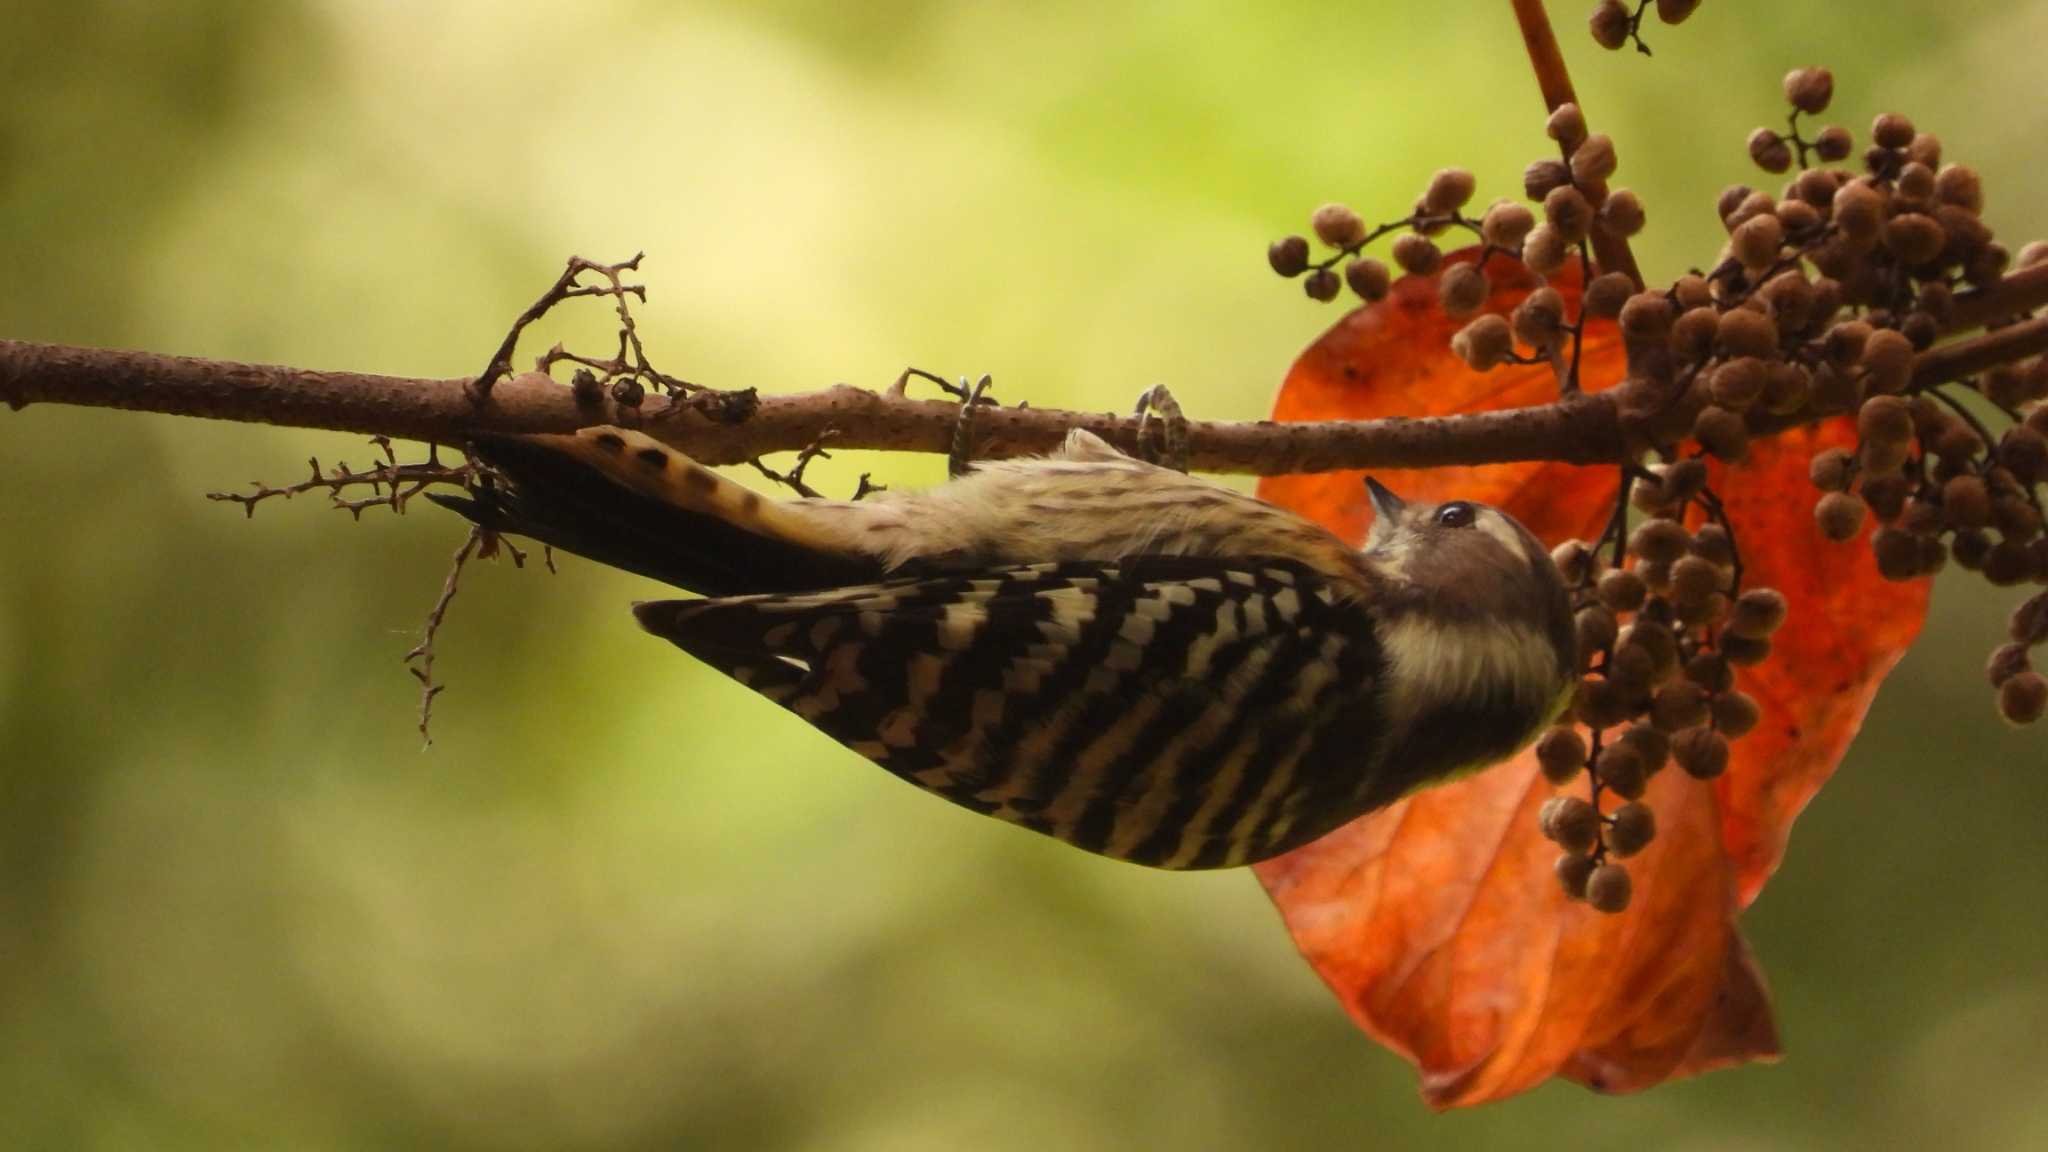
<point x="1385" y="505"/>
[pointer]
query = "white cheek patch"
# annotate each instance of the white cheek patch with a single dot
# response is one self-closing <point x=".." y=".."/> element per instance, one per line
<point x="1434" y="663"/>
<point x="1495" y="525"/>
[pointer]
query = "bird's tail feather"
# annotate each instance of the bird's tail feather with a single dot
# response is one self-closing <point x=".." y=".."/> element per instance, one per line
<point x="626" y="500"/>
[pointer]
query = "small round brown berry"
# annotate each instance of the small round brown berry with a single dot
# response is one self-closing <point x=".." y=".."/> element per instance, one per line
<point x="1744" y="332"/>
<point x="1621" y="770"/>
<point x="1769" y="151"/>
<point x="1485" y="342"/>
<point x="1758" y="613"/>
<point x="2007" y="661"/>
<point x="2023" y="698"/>
<point x="1593" y="161"/>
<point x="1288" y="255"/>
<point x="2024" y="452"/>
<point x="1571" y="822"/>
<point x="1463" y="290"/>
<point x="1833" y="144"/>
<point x="1832" y="469"/>
<point x="1652" y="743"/>
<point x="1607" y="293"/>
<point x="1887" y="361"/>
<point x="1544" y="250"/>
<point x="1859" y="210"/>
<point x="1925" y="148"/>
<point x="1568" y="212"/>
<point x="1721" y="433"/>
<point x="1633" y="828"/>
<point x="1622" y="591"/>
<point x="1958" y="444"/>
<point x="1338" y="226"/>
<point x="628" y="392"/>
<point x="1735" y="714"/>
<point x="1596" y="628"/>
<point x="1898" y="554"/>
<point x="1745" y="651"/>
<point x="1575" y="561"/>
<point x="1892" y="130"/>
<point x="1885" y="495"/>
<point x="1608" y="888"/>
<point x="1611" y="24"/>
<point x="1710" y="670"/>
<point x="1701" y="752"/>
<point x="1839" y="515"/>
<point x="1573" y="873"/>
<point x="1960" y="185"/>
<point x="1921" y="518"/>
<point x="1660" y="539"/>
<point x="1810" y="89"/>
<point x="2008" y="564"/>
<point x="1562" y="753"/>
<point x="1887" y="419"/>
<point x="2029" y="623"/>
<point x="1713" y="543"/>
<point x="1417" y="255"/>
<point x="1966" y="502"/>
<point x="1756" y="241"/>
<point x="1920" y="330"/>
<point x="1655" y="640"/>
<point x="1692" y="334"/>
<point x="1622" y="213"/>
<point x="1369" y="278"/>
<point x="1506" y="224"/>
<point x="1633" y="671"/>
<point x="1915" y="182"/>
<point x="1539" y="320"/>
<point x="1600" y="703"/>
<point x="1737" y="384"/>
<point x="1678" y="705"/>
<point x="1915" y="239"/>
<point x="1567" y="126"/>
<point x="1449" y="190"/>
<point x="1646" y="317"/>
<point x="1695" y="578"/>
<point x="2015" y="518"/>
<point x="1322" y="284"/>
<point x="1543" y="177"/>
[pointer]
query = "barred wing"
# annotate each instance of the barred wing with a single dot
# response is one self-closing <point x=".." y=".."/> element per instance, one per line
<point x="1175" y="711"/>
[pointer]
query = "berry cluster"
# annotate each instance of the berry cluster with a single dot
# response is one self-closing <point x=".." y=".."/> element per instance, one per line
<point x="1824" y="302"/>
<point x="1614" y="25"/>
<point x="1663" y="622"/>
<point x="1889" y="248"/>
<point x="1572" y="193"/>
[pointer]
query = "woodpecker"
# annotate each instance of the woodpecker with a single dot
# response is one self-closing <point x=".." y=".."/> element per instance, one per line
<point x="1138" y="662"/>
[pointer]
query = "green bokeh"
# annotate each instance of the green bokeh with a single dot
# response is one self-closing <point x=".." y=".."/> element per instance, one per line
<point x="624" y="904"/>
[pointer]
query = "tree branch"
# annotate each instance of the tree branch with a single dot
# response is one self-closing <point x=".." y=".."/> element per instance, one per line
<point x="1576" y="430"/>
<point x="714" y="429"/>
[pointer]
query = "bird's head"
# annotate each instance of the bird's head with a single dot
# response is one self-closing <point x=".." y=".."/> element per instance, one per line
<point x="1471" y="601"/>
<point x="1464" y="560"/>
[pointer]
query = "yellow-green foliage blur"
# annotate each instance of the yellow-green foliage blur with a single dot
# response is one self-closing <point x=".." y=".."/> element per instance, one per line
<point x="621" y="903"/>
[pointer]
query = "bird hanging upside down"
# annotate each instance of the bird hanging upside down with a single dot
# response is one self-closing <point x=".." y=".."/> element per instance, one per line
<point x="1138" y="662"/>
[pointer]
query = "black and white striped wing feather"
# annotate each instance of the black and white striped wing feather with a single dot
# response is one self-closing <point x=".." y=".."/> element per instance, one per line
<point x="1176" y="711"/>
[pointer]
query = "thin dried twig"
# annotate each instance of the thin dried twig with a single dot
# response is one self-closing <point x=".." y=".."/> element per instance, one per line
<point x="420" y="661"/>
<point x="391" y="484"/>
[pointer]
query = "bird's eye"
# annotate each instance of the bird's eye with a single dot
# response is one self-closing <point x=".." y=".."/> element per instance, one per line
<point x="1456" y="515"/>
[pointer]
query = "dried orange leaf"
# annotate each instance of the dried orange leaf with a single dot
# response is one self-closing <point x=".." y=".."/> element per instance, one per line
<point x="1438" y="922"/>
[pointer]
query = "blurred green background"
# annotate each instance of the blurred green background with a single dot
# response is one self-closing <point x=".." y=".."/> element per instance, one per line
<point x="624" y="904"/>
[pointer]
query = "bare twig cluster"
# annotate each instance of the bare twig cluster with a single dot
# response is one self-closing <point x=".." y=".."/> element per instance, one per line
<point x="389" y="484"/>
